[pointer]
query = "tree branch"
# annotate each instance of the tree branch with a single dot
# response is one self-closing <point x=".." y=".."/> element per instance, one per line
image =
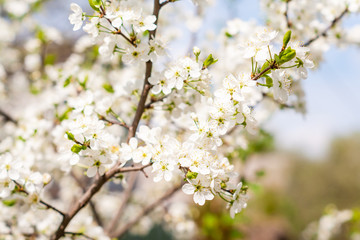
<point x="79" y="234"/>
<point x="286" y="14"/>
<point x="47" y="205"/>
<point x="7" y="117"/>
<point x="324" y="33"/>
<point x="148" y="69"/>
<point x="101" y="180"/>
<point x="127" y="193"/>
<point x="148" y="209"/>
<point x="122" y="124"/>
<point x="95" y="213"/>
<point x="86" y="197"/>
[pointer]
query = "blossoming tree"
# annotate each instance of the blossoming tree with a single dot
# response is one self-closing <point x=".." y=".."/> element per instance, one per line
<point x="105" y="136"/>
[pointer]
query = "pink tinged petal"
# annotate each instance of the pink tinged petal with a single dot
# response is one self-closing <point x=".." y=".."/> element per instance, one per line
<point x="232" y="212"/>
<point x="30" y="187"/>
<point x="156" y="89"/>
<point x="199" y="198"/>
<point x="188" y="188"/>
<point x="91" y="172"/>
<point x="179" y="84"/>
<point x="146" y="160"/>
<point x="208" y="195"/>
<point x="101" y="170"/>
<point x="117" y="22"/>
<point x="166" y="90"/>
<point x="75" y="8"/>
<point x="133" y="143"/>
<point x="158" y="177"/>
<point x="4" y="193"/>
<point x="74" y="159"/>
<point x="150" y="19"/>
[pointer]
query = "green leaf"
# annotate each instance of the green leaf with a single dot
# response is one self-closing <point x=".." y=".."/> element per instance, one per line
<point x="209" y="61"/>
<point x="9" y="202"/>
<point x="50" y="59"/>
<point x="67" y="81"/>
<point x="286" y="39"/>
<point x="108" y="87"/>
<point x="228" y="35"/>
<point x="70" y="136"/>
<point x="65" y="115"/>
<point x="286" y="56"/>
<point x="83" y="84"/>
<point x="299" y="62"/>
<point x="191" y="175"/>
<point x="95" y="4"/>
<point x="269" y="81"/>
<point x="76" y="148"/>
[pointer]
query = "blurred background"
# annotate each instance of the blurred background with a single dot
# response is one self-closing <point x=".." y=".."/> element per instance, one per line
<point x="305" y="165"/>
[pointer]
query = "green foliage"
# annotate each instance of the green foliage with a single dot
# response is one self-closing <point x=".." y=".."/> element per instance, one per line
<point x="191" y="175"/>
<point x="76" y="148"/>
<point x="9" y="202"/>
<point x="108" y="87"/>
<point x="209" y="61"/>
<point x="95" y="4"/>
<point x="70" y="136"/>
<point x="67" y="81"/>
<point x="286" y="39"/>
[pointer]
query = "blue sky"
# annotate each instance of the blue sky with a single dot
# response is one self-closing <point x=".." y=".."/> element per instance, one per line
<point x="331" y="91"/>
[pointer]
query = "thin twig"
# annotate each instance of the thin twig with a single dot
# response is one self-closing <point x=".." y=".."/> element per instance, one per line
<point x="112" y="122"/>
<point x="259" y="75"/>
<point x="79" y="234"/>
<point x="286" y="13"/>
<point x="90" y="192"/>
<point x="47" y="205"/>
<point x="101" y="180"/>
<point x="7" y="117"/>
<point x="152" y="101"/>
<point x="92" y="205"/>
<point x="324" y="33"/>
<point x="148" y="209"/>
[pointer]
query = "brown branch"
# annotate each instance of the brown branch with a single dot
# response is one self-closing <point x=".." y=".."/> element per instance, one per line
<point x="324" y="33"/>
<point x="152" y="101"/>
<point x="286" y="13"/>
<point x="148" y="209"/>
<point x="148" y="69"/>
<point x="86" y="197"/>
<point x="47" y="205"/>
<point x="117" y="30"/>
<point x="127" y="193"/>
<point x="259" y="75"/>
<point x="79" y="234"/>
<point x="7" y="117"/>
<point x="112" y="122"/>
<point x="92" y="205"/>
<point x="101" y="180"/>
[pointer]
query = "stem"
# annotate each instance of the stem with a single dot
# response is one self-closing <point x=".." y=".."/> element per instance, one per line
<point x="101" y="180"/>
<point x="324" y="33"/>
<point x="91" y="203"/>
<point x="286" y="14"/>
<point x="7" y="117"/>
<point x="113" y="223"/>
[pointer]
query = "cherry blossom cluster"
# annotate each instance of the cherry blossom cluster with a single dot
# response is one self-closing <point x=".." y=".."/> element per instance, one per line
<point x="120" y="104"/>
